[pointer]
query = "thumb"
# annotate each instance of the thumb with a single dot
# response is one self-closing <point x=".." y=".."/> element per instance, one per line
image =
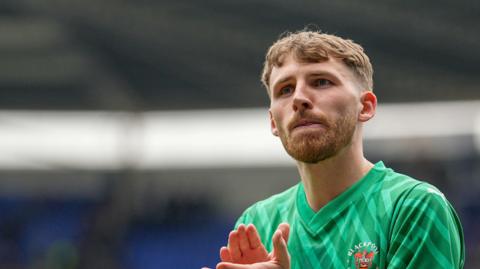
<point x="285" y="229"/>
<point x="280" y="251"/>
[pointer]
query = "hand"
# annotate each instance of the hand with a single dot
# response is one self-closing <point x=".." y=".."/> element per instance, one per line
<point x="245" y="251"/>
<point x="244" y="247"/>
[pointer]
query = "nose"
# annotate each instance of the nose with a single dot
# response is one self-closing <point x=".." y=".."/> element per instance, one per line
<point x="300" y="100"/>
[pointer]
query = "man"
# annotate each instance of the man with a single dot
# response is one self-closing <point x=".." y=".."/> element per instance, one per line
<point x="346" y="212"/>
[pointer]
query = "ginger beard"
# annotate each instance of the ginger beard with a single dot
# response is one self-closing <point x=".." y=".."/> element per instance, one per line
<point x="313" y="146"/>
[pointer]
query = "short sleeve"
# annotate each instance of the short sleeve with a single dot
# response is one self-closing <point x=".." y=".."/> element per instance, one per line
<point x="425" y="232"/>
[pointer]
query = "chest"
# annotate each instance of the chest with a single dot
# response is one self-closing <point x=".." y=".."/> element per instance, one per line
<point x="352" y="241"/>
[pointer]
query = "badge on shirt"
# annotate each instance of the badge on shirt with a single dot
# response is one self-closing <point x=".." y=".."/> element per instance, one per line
<point x="362" y="256"/>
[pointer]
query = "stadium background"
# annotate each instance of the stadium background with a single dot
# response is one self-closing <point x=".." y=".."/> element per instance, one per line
<point x="133" y="133"/>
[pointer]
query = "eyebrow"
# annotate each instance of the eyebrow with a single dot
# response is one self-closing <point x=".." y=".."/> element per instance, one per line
<point x="281" y="81"/>
<point x="323" y="73"/>
<point x="312" y="74"/>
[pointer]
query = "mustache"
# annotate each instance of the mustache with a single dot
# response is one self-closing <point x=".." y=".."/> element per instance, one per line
<point x="300" y="119"/>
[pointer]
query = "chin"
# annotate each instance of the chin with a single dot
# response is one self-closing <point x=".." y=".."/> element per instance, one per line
<point x="311" y="158"/>
<point x="311" y="151"/>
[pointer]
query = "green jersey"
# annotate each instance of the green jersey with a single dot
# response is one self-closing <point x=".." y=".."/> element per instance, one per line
<point x="385" y="220"/>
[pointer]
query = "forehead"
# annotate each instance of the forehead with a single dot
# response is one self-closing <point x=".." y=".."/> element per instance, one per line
<point x="292" y="68"/>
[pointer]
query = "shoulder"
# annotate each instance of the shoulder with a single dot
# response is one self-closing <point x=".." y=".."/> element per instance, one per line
<point x="406" y="191"/>
<point x="419" y="205"/>
<point x="424" y="221"/>
<point x="398" y="184"/>
<point x="267" y="214"/>
<point x="272" y="206"/>
<point x="397" y="187"/>
<point x="406" y="197"/>
<point x="425" y="199"/>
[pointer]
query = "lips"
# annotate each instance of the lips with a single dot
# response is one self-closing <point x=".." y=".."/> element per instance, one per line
<point x="305" y="123"/>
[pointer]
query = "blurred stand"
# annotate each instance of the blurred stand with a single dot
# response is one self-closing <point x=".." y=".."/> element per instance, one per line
<point x="114" y="152"/>
<point x="123" y="190"/>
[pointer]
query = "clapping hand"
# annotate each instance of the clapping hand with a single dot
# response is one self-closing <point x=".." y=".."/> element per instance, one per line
<point x="246" y="251"/>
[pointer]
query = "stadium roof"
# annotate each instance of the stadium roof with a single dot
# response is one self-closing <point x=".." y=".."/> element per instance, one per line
<point x="186" y="54"/>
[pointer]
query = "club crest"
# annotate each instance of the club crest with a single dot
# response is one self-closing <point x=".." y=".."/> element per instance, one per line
<point x="362" y="256"/>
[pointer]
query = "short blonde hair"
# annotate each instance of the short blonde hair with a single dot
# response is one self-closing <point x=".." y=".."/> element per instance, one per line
<point x="314" y="46"/>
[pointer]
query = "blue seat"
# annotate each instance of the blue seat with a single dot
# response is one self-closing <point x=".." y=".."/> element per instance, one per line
<point x="54" y="224"/>
<point x="175" y="247"/>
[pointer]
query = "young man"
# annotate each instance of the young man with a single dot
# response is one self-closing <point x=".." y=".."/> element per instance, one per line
<point x="346" y="212"/>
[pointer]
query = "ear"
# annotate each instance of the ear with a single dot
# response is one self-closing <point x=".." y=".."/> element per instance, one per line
<point x="273" y="126"/>
<point x="368" y="102"/>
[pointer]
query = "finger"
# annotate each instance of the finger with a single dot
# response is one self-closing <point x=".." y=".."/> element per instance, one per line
<point x="233" y="246"/>
<point x="225" y="255"/>
<point x="242" y="238"/>
<point x="285" y="229"/>
<point x="280" y="251"/>
<point x="227" y="265"/>
<point x="253" y="237"/>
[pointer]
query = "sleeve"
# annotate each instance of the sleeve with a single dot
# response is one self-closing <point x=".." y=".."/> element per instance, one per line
<point x="426" y="232"/>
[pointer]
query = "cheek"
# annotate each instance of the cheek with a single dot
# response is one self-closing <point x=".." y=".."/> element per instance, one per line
<point x="276" y="111"/>
<point x="345" y="105"/>
<point x="278" y="118"/>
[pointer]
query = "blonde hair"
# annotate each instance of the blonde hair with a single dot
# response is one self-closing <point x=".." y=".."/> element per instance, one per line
<point x="314" y="46"/>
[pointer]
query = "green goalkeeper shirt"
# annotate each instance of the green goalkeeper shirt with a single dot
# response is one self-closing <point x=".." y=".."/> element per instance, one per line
<point x="385" y="220"/>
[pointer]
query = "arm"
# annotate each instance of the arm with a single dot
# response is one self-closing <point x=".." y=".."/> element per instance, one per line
<point x="426" y="232"/>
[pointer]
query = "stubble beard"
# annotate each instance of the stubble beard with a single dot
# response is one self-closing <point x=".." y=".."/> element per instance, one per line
<point x="313" y="147"/>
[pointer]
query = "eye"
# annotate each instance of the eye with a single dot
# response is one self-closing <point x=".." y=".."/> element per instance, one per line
<point x="322" y="83"/>
<point x="285" y="90"/>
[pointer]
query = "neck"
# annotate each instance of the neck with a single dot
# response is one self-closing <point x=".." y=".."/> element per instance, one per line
<point x="325" y="180"/>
